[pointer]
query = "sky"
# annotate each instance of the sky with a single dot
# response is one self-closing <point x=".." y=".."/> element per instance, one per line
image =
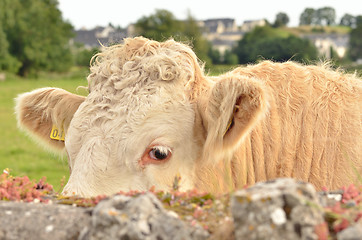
<point x="91" y="13"/>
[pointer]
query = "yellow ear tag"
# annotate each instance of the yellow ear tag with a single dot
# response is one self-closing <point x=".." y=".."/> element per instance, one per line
<point x="231" y="122"/>
<point x="57" y="134"/>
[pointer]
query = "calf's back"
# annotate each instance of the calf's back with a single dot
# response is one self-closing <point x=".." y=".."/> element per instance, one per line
<point x="312" y="131"/>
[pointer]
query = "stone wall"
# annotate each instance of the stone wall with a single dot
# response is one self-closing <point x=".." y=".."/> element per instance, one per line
<point x="280" y="209"/>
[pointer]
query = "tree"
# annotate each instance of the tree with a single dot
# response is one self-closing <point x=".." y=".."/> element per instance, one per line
<point x="307" y="17"/>
<point x="348" y="20"/>
<point x="246" y="48"/>
<point x="82" y="56"/>
<point x="192" y="33"/>
<point x="268" y="43"/>
<point x="159" y="26"/>
<point x="7" y="62"/>
<point x="325" y="16"/>
<point x="359" y="20"/>
<point x="163" y="25"/>
<point x="281" y="20"/>
<point x="230" y="58"/>
<point x="321" y="16"/>
<point x="355" y="43"/>
<point x="38" y="37"/>
<point x="214" y="55"/>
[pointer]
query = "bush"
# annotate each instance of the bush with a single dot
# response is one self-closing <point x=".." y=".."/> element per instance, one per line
<point x="83" y="56"/>
<point x="230" y="58"/>
<point x="274" y="44"/>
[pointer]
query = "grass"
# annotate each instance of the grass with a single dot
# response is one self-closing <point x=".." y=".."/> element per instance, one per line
<point x="216" y="70"/>
<point x="318" y="29"/>
<point x="17" y="151"/>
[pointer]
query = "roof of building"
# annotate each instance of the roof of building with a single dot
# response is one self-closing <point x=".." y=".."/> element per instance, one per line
<point x="95" y="38"/>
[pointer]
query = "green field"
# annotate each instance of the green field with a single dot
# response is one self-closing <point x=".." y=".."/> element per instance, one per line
<point x="17" y="151"/>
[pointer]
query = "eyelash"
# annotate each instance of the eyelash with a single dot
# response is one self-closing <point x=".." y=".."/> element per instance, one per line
<point x="159" y="150"/>
<point x="156" y="155"/>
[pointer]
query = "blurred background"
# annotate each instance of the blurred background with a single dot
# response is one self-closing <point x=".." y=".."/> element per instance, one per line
<point x="50" y="43"/>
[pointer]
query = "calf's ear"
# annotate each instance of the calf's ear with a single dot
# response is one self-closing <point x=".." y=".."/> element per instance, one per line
<point x="45" y="114"/>
<point x="229" y="111"/>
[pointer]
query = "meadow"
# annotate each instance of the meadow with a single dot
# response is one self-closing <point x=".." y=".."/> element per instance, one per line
<point x="18" y="152"/>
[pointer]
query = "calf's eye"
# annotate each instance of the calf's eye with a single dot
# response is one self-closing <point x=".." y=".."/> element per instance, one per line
<point x="156" y="155"/>
<point x="159" y="153"/>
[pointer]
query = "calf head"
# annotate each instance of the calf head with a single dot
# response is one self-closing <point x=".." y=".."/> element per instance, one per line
<point x="150" y="115"/>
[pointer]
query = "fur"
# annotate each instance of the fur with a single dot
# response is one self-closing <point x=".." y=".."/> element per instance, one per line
<point x="37" y="111"/>
<point x="311" y="132"/>
<point x="254" y="123"/>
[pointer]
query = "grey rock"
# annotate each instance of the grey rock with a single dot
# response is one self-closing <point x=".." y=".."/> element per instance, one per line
<point x="141" y="217"/>
<point x="330" y="198"/>
<point x="41" y="221"/>
<point x="279" y="209"/>
<point x="353" y="232"/>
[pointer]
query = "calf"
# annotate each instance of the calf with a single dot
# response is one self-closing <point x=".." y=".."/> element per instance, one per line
<point x="152" y="114"/>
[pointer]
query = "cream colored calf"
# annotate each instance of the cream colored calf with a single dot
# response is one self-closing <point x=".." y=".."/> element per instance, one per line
<point x="152" y="114"/>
